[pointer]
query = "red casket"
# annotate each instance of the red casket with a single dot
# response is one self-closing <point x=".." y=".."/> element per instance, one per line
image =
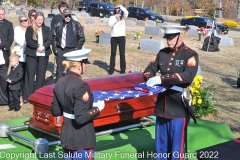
<point x="114" y="111"/>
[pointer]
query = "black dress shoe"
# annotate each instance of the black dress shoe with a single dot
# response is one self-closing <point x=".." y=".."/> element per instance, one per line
<point x="25" y="101"/>
<point x="10" y="109"/>
<point x="16" y="109"/>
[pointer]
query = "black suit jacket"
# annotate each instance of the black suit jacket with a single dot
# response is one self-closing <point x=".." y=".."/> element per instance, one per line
<point x="7" y="29"/>
<point x="16" y="76"/>
<point x="32" y="45"/>
<point x="2" y="41"/>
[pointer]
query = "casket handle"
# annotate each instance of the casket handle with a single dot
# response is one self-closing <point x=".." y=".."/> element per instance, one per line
<point x="118" y="107"/>
<point x="154" y="100"/>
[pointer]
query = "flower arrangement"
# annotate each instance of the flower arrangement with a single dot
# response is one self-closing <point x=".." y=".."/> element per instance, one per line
<point x="202" y="31"/>
<point x="98" y="32"/>
<point x="202" y="100"/>
<point x="136" y="35"/>
<point x="158" y="20"/>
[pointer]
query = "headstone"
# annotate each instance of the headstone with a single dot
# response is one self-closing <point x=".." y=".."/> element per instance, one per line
<point x="192" y="32"/>
<point x="153" y="31"/>
<point x="105" y="20"/>
<point x="6" y="8"/>
<point x="133" y="19"/>
<point x="55" y="11"/>
<point x="129" y="22"/>
<point x="40" y="11"/>
<point x="30" y="8"/>
<point x="74" y="17"/>
<point x="84" y="14"/>
<point x="151" y="45"/>
<point x="91" y="20"/>
<point x="105" y="38"/>
<point x="22" y="7"/>
<point x="150" y="23"/>
<point x="162" y="25"/>
<point x="20" y="12"/>
<point x="47" y="22"/>
<point x="141" y="23"/>
<point x="226" y="41"/>
<point x="192" y="27"/>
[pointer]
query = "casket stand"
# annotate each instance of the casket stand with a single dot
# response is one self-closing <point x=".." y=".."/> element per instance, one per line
<point x="115" y="110"/>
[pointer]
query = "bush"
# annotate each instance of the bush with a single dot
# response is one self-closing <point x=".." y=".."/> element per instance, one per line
<point x="230" y="24"/>
<point x="189" y="16"/>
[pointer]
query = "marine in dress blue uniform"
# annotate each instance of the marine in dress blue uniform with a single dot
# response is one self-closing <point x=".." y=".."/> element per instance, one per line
<point x="178" y="64"/>
<point x="74" y="100"/>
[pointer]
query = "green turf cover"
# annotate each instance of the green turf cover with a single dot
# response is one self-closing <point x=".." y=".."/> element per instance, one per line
<point x="132" y="144"/>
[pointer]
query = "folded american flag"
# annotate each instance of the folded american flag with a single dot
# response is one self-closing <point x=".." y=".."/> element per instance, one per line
<point x="138" y="90"/>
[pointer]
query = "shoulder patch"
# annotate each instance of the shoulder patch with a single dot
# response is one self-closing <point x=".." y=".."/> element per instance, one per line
<point x="85" y="96"/>
<point x="191" y="62"/>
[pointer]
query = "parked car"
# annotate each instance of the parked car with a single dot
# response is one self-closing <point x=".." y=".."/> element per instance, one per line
<point x="83" y="4"/>
<point x="143" y="13"/>
<point x="204" y="22"/>
<point x="100" y="9"/>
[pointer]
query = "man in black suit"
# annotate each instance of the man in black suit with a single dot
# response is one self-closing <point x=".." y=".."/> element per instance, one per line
<point x="14" y="83"/>
<point x="7" y="29"/>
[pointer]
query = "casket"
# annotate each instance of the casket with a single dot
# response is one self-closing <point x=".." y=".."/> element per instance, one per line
<point x="115" y="110"/>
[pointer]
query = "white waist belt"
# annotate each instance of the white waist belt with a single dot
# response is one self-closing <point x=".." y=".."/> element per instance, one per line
<point x="179" y="89"/>
<point x="67" y="115"/>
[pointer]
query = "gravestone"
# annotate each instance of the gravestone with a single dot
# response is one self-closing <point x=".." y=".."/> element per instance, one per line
<point x="192" y="27"/>
<point x="40" y="11"/>
<point x="141" y="23"/>
<point x="192" y="32"/>
<point x="133" y="19"/>
<point x="91" y="20"/>
<point x="74" y="17"/>
<point x="153" y="31"/>
<point x="105" y="20"/>
<point x="47" y="22"/>
<point x="55" y="11"/>
<point x="129" y="22"/>
<point x="84" y="14"/>
<point x="6" y="8"/>
<point x="105" y="38"/>
<point x="151" y="45"/>
<point x="162" y="25"/>
<point x="226" y="41"/>
<point x="20" y="12"/>
<point x="150" y="23"/>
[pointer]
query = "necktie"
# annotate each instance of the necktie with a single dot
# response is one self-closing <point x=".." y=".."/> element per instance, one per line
<point x="64" y="33"/>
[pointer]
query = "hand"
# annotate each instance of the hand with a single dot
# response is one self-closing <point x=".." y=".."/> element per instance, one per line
<point x="154" y="81"/>
<point x="147" y="75"/>
<point x="41" y="49"/>
<point x="9" y="81"/>
<point x="100" y="105"/>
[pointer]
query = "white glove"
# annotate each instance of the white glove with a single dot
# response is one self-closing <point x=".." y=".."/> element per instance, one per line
<point x="154" y="81"/>
<point x="100" y="105"/>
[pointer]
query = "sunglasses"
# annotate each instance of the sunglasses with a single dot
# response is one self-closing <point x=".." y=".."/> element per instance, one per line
<point x="24" y="20"/>
<point x="33" y="15"/>
<point x="68" y="16"/>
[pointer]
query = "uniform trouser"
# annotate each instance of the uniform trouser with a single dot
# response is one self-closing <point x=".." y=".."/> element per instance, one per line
<point x="79" y="154"/>
<point x="59" y="60"/>
<point x="34" y="65"/>
<point x="14" y="99"/>
<point x="121" y="41"/>
<point x="169" y="138"/>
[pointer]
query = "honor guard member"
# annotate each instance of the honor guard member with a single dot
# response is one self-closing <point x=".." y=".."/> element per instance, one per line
<point x="74" y="100"/>
<point x="67" y="36"/>
<point x="178" y="65"/>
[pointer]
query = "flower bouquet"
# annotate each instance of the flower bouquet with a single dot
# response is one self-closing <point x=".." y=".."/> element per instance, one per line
<point x="136" y="35"/>
<point x="97" y="33"/>
<point x="202" y="100"/>
<point x="202" y="32"/>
